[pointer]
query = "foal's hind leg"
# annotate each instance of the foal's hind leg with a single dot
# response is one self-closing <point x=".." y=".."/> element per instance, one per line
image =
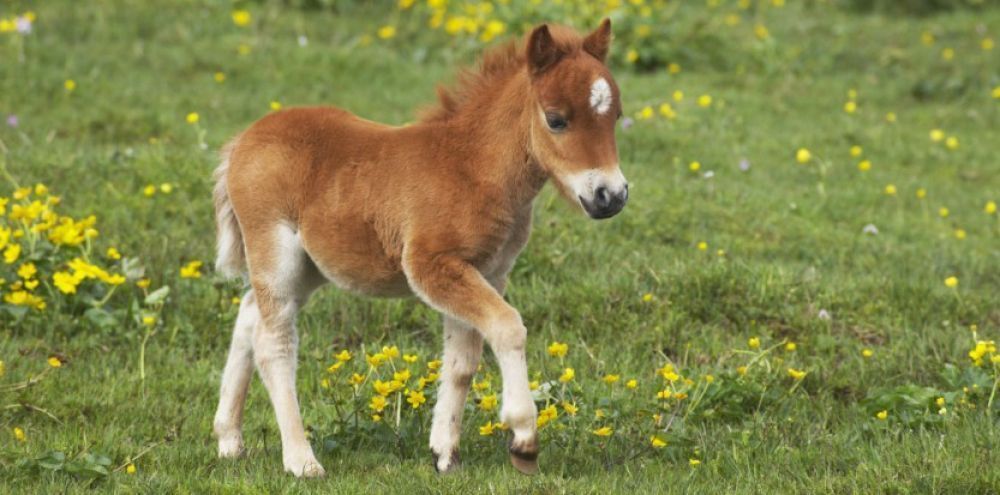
<point x="282" y="277"/>
<point x="463" y="346"/>
<point x="236" y="380"/>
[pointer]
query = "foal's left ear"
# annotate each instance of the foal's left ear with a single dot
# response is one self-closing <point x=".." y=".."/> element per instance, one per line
<point x="598" y="42"/>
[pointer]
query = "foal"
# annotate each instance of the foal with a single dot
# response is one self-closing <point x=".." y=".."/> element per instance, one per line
<point x="439" y="209"/>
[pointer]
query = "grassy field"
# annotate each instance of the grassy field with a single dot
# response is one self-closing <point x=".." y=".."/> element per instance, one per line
<point x="714" y="269"/>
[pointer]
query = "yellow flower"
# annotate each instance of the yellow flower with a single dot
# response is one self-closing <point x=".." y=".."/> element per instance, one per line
<point x="673" y="68"/>
<point x="27" y="271"/>
<point x="149" y="190"/>
<point x="191" y="270"/>
<point x="166" y="188"/>
<point x="668" y="373"/>
<point x="143" y="283"/>
<point x="753" y="343"/>
<point x="558" y="349"/>
<point x="947" y="54"/>
<point x="19" y="435"/>
<point x="943" y="212"/>
<point x="375" y="360"/>
<point x="632" y="384"/>
<point x="11" y="254"/>
<point x="391" y="352"/>
<point x="646" y="113"/>
<point x="867" y="353"/>
<point x="402" y="376"/>
<point x="481" y="386"/>
<point x="356" y="379"/>
<point x="410" y="358"/>
<point x="951" y="282"/>
<point x="570" y="408"/>
<point x="742" y="370"/>
<point x="487" y="429"/>
<point x="678" y="96"/>
<point x="567" y="375"/>
<point x="113" y="254"/>
<point x="3" y="368"/>
<point x="986" y="44"/>
<point x="890" y="117"/>
<point x="890" y="189"/>
<point x="334" y="367"/>
<point x="796" y="374"/>
<point x="533" y="385"/>
<point x="55" y="362"/>
<point x="488" y="402"/>
<point x="951" y="143"/>
<point x="921" y="193"/>
<point x="940" y="402"/>
<point x="927" y="38"/>
<point x="149" y="320"/>
<point x="343" y="356"/>
<point x="130" y="469"/>
<point x="405" y="4"/>
<point x="694" y="462"/>
<point x="377" y="403"/>
<point x="632" y="56"/>
<point x="70" y="85"/>
<point x="865" y="165"/>
<point x="415" y="398"/>
<point x="657" y="442"/>
<point x="383" y="388"/>
<point x="709" y="378"/>
<point x="960" y="234"/>
<point x="990" y="208"/>
<point x="761" y="32"/>
<point x="547" y="415"/>
<point x="667" y="111"/>
<point x="609" y="379"/>
<point x="241" y="18"/>
<point x="856" y="151"/>
<point x="705" y="101"/>
<point x="386" y="32"/>
<point x="702" y="246"/>
<point x="219" y="77"/>
<point x="604" y="431"/>
<point x="882" y="415"/>
<point x="803" y="155"/>
<point x="664" y="394"/>
<point x="937" y="135"/>
<point x="434" y="365"/>
<point x="850" y="107"/>
<point x="790" y="347"/>
<point x="694" y="166"/>
<point x="647" y="297"/>
<point x="66" y="282"/>
<point x="192" y="118"/>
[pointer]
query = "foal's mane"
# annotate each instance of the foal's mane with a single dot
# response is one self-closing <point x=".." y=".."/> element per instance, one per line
<point x="496" y="64"/>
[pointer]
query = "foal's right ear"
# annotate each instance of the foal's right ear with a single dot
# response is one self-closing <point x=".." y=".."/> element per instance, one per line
<point x="598" y="42"/>
<point x="542" y="50"/>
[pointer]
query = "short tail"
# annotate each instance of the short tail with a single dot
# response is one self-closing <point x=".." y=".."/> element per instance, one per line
<point x="231" y="256"/>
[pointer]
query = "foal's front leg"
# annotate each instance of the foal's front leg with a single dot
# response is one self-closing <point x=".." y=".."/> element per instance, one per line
<point x="457" y="289"/>
<point x="463" y="346"/>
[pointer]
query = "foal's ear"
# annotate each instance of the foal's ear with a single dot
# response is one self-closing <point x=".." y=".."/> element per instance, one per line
<point x="542" y="50"/>
<point x="598" y="42"/>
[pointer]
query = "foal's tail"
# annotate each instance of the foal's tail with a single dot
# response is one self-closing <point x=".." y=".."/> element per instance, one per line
<point x="231" y="257"/>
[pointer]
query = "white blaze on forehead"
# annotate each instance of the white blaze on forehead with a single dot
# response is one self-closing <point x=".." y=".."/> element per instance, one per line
<point x="600" y="96"/>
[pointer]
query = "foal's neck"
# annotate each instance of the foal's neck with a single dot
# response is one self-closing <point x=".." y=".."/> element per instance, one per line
<point x="497" y="125"/>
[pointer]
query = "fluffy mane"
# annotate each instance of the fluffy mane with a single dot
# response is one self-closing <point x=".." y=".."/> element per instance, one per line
<point x="496" y="64"/>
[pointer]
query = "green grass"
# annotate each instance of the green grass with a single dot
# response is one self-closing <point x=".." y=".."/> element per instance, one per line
<point x="792" y="236"/>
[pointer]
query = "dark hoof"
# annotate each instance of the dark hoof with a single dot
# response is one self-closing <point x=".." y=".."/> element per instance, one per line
<point x="525" y="458"/>
<point x="445" y="465"/>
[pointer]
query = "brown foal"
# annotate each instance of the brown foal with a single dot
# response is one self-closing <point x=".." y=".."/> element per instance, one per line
<point x="440" y="209"/>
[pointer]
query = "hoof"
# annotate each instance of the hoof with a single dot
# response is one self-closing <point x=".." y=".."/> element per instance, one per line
<point x="524" y="457"/>
<point x="446" y="464"/>
<point x="230" y="448"/>
<point x="307" y="469"/>
<point x="523" y="464"/>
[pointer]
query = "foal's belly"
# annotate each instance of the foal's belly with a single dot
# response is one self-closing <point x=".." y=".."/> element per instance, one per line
<point x="355" y="261"/>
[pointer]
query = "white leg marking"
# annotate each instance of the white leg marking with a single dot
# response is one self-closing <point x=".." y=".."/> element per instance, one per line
<point x="275" y="346"/>
<point x="463" y="346"/>
<point x="235" y="380"/>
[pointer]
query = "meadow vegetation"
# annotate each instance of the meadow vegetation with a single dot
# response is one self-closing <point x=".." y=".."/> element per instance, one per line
<point x="802" y="295"/>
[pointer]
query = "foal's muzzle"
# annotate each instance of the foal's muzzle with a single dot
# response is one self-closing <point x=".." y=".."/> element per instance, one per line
<point x="605" y="203"/>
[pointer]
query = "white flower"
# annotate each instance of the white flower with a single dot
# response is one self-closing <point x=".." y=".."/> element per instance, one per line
<point x="303" y="41"/>
<point x="708" y="174"/>
<point x="870" y="229"/>
<point x="23" y="25"/>
<point x="824" y="315"/>
<point x="744" y="165"/>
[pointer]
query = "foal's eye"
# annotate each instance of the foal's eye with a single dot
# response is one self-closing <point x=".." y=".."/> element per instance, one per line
<point x="555" y="122"/>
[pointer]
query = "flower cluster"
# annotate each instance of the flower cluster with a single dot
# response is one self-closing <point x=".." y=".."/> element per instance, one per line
<point x="48" y="256"/>
<point x="20" y="24"/>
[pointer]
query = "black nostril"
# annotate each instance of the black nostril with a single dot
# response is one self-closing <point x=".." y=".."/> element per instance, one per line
<point x="602" y="198"/>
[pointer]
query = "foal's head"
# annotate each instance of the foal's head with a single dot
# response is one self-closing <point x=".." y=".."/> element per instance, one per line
<point x="576" y="106"/>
